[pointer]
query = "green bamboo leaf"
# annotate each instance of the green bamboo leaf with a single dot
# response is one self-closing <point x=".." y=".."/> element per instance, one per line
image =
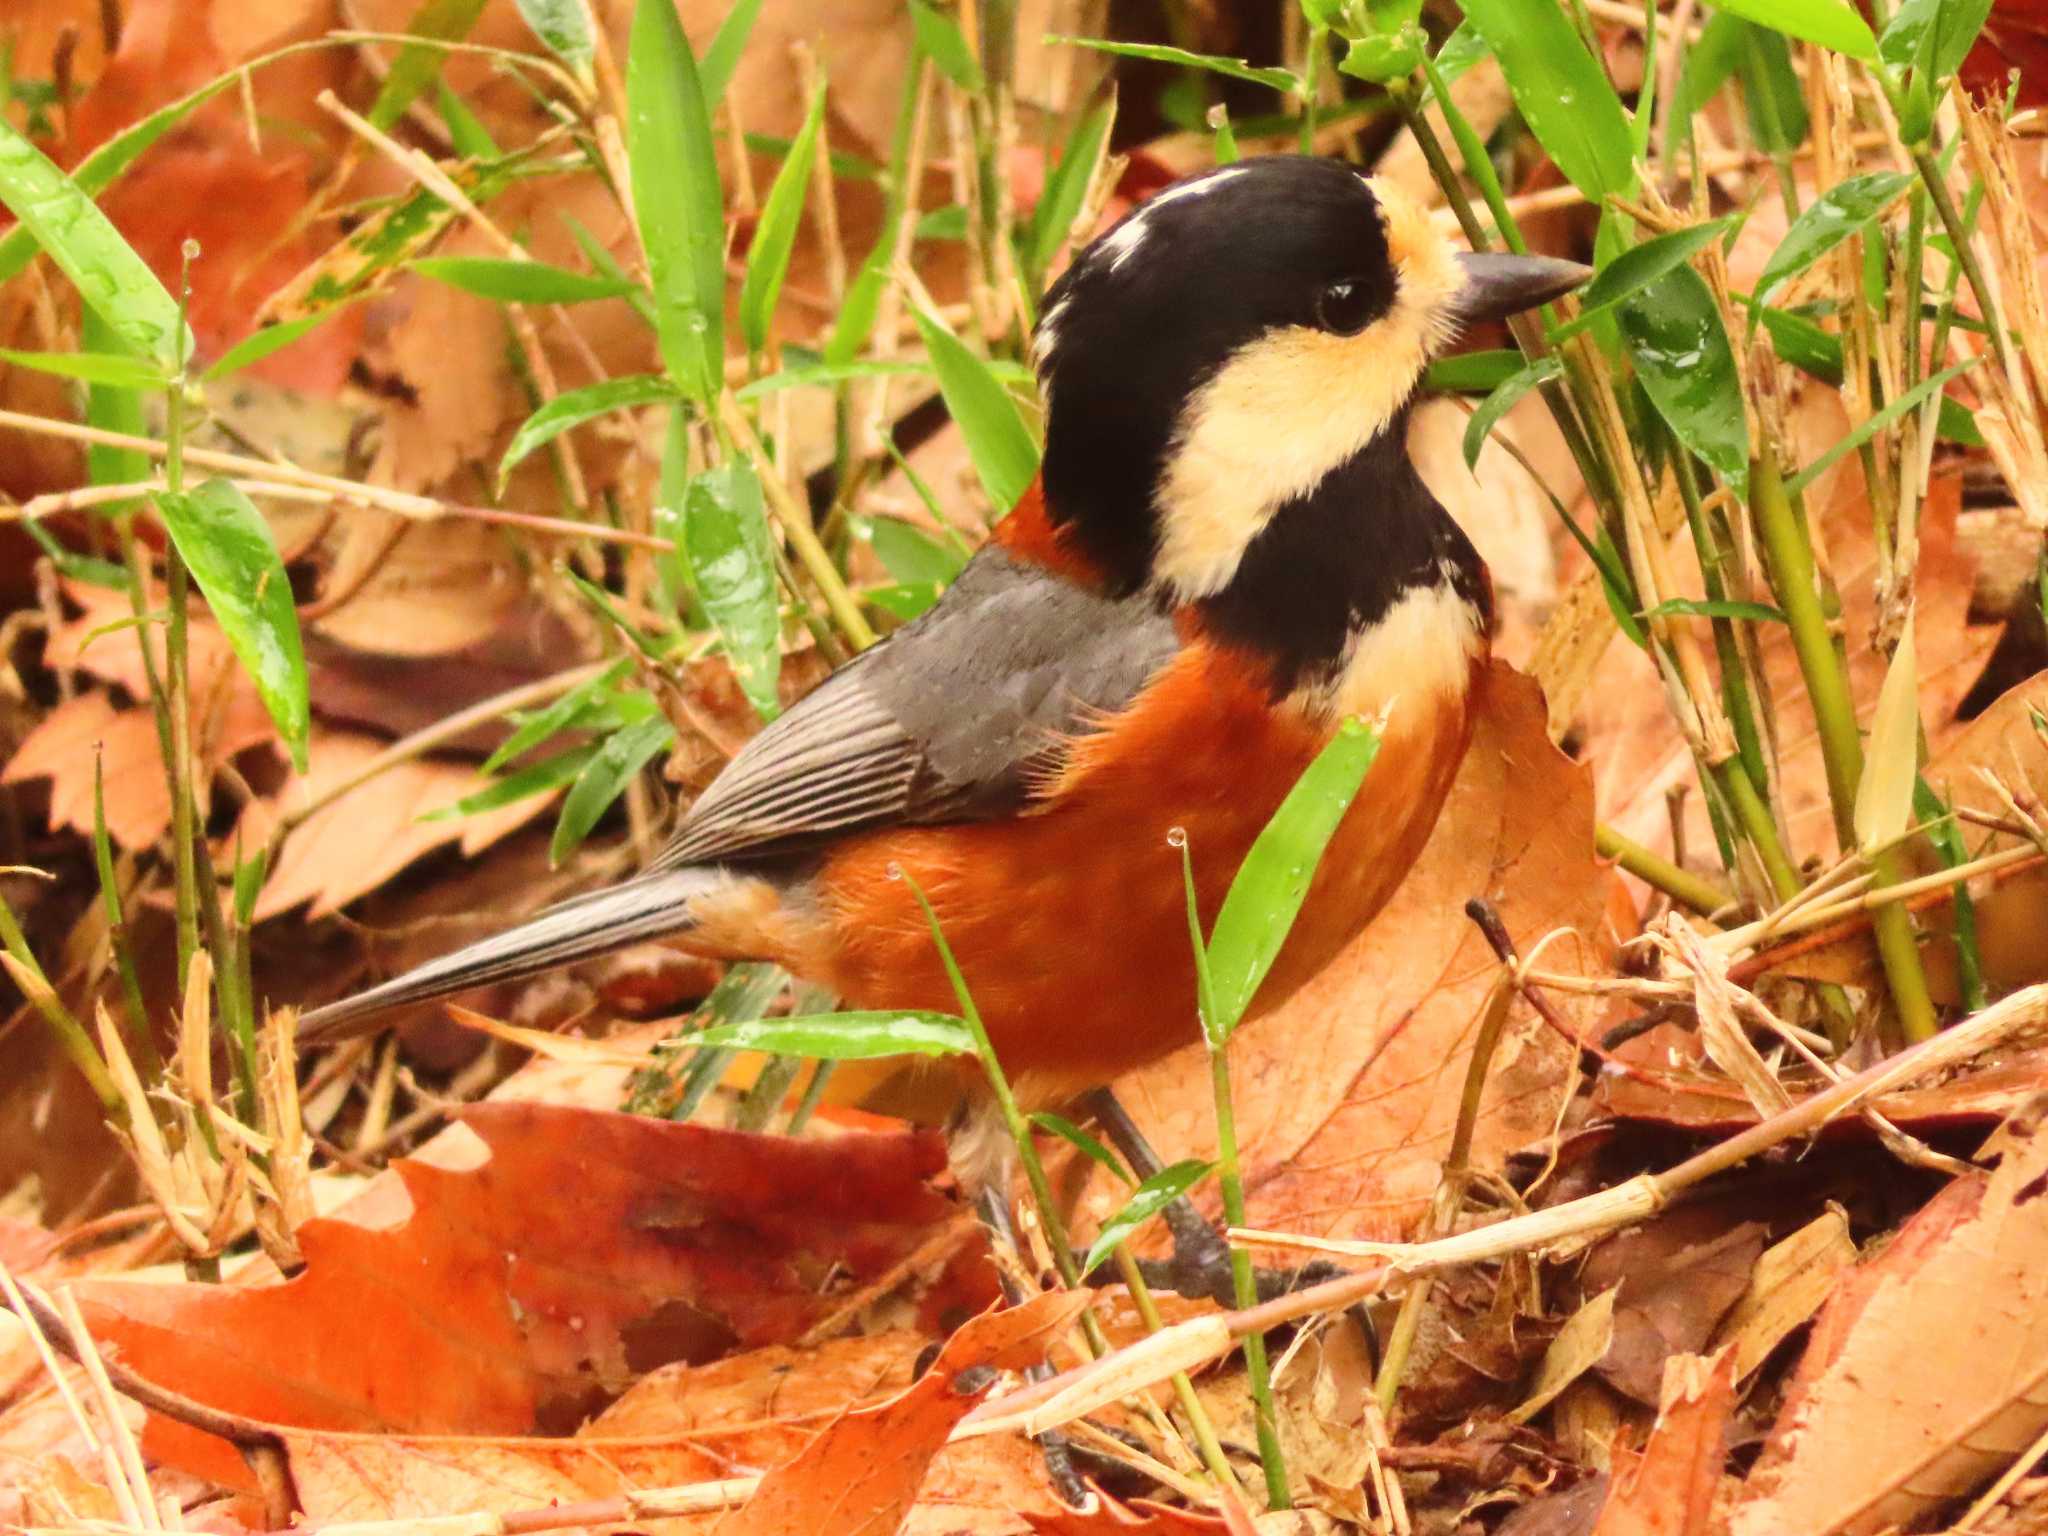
<point x="1687" y="368"/>
<point x="1945" y="30"/>
<point x="672" y="578"/>
<point x="825" y="375"/>
<point x="257" y="345"/>
<point x="1272" y="882"/>
<point x="1870" y="426"/>
<point x="846" y="1036"/>
<point x="1080" y="1141"/>
<point x="544" y="723"/>
<point x="1841" y="211"/>
<point x="1773" y="95"/>
<point x="1804" y="345"/>
<point x="677" y="196"/>
<point x="1891" y="763"/>
<point x="418" y="65"/>
<point x="466" y="132"/>
<point x="1831" y="23"/>
<point x="775" y="233"/>
<point x="1561" y="91"/>
<point x="601" y="780"/>
<point x="1285" y="81"/>
<point x="565" y="27"/>
<point x="105" y="165"/>
<point x="580" y="405"/>
<point x="1502" y="400"/>
<point x="940" y="39"/>
<point x="1636" y="268"/>
<point x="947" y="223"/>
<point x="1060" y="203"/>
<point x="505" y="281"/>
<point x="1718" y="608"/>
<point x="117" y="370"/>
<point x="541" y="778"/>
<point x="108" y="274"/>
<point x="903" y="600"/>
<point x="1705" y="68"/>
<point x="1473" y="373"/>
<point x="725" y="534"/>
<point x="111" y="410"/>
<point x="1147" y="1201"/>
<point x="227" y="546"/>
<point x="1000" y="446"/>
<point x="909" y="554"/>
<point x="727" y="44"/>
<point x="1461" y="50"/>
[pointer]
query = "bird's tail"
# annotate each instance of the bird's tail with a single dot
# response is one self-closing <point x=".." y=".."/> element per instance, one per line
<point x="650" y="906"/>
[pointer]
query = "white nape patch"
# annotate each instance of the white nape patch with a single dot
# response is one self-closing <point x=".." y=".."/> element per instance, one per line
<point x="1047" y="335"/>
<point x="1292" y="406"/>
<point x="1121" y="243"/>
<point x="1417" y="654"/>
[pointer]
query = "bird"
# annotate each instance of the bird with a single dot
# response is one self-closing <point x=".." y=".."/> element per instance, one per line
<point x="1225" y="555"/>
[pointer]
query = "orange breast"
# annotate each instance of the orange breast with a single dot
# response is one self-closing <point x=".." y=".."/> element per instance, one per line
<point x="1070" y="922"/>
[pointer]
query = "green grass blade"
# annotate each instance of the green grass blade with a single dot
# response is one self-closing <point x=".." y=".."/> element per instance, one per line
<point x="1841" y="211"/>
<point x="104" y="166"/>
<point x="775" y="234"/>
<point x="1271" y="884"/>
<point x="1080" y="1141"/>
<point x="466" y="132"/>
<point x="108" y="274"/>
<point x="542" y="724"/>
<point x="723" y="56"/>
<point x="227" y="546"/>
<point x="111" y="410"/>
<point x="1953" y="25"/>
<point x="539" y="779"/>
<point x="578" y="406"/>
<point x="1637" y="268"/>
<point x="725" y="532"/>
<point x="257" y="345"/>
<point x="1147" y="1201"/>
<point x="909" y="554"/>
<point x="1060" y="203"/>
<point x="847" y="1036"/>
<point x="1562" y="92"/>
<point x="1285" y="81"/>
<point x="677" y="196"/>
<point x="1004" y="455"/>
<point x="1874" y="424"/>
<point x="505" y="281"/>
<point x="1718" y="608"/>
<point x="1687" y="368"/>
<point x="117" y="370"/>
<point x="604" y="778"/>
<point x="1831" y="23"/>
<point x="418" y="65"/>
<point x="1473" y="373"/>
<point x="940" y="39"/>
<point x="1502" y="400"/>
<point x="564" y="26"/>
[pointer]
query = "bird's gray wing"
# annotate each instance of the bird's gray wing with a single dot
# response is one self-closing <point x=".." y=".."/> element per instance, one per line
<point x="942" y="721"/>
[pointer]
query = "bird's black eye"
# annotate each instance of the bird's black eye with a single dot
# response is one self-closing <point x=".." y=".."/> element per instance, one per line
<point x="1344" y="309"/>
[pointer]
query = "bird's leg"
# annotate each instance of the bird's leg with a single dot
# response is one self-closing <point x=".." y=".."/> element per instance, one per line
<point x="1200" y="1265"/>
<point x="1054" y="1446"/>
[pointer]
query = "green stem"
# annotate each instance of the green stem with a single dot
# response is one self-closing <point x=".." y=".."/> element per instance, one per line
<point x="1246" y="1286"/>
<point x="1013" y="1121"/>
<point x="1681" y="885"/>
<point x="1199" y="1423"/>
<point x="1754" y="817"/>
<point x="178" y="695"/>
<point x="71" y="1036"/>
<point x="1958" y="231"/>
<point x="1797" y="584"/>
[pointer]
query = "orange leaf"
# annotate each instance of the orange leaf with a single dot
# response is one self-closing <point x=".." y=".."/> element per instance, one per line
<point x="861" y="1476"/>
<point x="496" y="1288"/>
<point x="1671" y="1490"/>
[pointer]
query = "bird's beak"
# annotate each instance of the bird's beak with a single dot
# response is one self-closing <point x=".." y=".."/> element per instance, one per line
<point x="1497" y="286"/>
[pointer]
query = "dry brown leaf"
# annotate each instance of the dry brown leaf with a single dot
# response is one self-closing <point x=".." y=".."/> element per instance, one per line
<point x="452" y="1299"/>
<point x="1637" y="752"/>
<point x="1928" y="1372"/>
<point x="1346" y="1095"/>
<point x="372" y="832"/>
<point x="1791" y="1280"/>
<point x="1679" y="1275"/>
<point x="1579" y="1346"/>
<point x="1671" y="1490"/>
